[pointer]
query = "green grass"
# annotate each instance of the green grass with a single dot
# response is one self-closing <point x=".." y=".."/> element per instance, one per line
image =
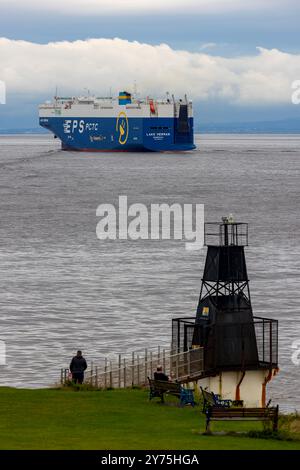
<point x="114" y="419"/>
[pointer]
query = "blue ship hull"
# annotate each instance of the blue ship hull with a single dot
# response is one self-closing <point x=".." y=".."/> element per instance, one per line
<point x="121" y="134"/>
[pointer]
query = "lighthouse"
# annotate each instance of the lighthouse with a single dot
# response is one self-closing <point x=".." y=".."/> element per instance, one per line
<point x="239" y="350"/>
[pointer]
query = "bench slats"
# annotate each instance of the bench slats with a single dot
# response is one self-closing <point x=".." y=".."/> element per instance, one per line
<point x="236" y="418"/>
<point x="242" y="411"/>
<point x="164" y="386"/>
<point x="215" y="413"/>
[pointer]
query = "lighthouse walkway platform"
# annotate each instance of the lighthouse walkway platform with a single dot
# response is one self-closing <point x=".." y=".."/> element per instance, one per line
<point x="133" y="368"/>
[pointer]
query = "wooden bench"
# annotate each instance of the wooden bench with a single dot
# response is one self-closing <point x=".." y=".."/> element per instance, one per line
<point x="160" y="387"/>
<point x="215" y="413"/>
<point x="218" y="411"/>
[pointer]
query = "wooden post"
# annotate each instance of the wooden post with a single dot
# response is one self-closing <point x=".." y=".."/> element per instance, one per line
<point x="61" y="376"/>
<point x="110" y="375"/>
<point x="105" y="373"/>
<point x="151" y="365"/>
<point x="124" y="372"/>
<point x="91" y="374"/>
<point x="96" y="377"/>
<point x="138" y="370"/>
<point x="146" y="365"/>
<point x="275" y="422"/>
<point x="164" y="360"/>
<point x="158" y="355"/>
<point x="132" y="370"/>
<point x="189" y="362"/>
<point x="271" y="345"/>
<point x="119" y="371"/>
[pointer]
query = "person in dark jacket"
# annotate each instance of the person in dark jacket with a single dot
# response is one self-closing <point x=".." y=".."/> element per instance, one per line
<point x="159" y="375"/>
<point x="77" y="368"/>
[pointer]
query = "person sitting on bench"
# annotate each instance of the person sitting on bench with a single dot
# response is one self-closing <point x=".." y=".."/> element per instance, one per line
<point x="159" y="375"/>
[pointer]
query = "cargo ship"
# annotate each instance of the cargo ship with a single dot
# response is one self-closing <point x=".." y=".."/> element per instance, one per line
<point x="124" y="123"/>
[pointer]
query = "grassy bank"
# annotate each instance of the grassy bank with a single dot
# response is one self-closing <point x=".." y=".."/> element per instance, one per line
<point x="115" y="419"/>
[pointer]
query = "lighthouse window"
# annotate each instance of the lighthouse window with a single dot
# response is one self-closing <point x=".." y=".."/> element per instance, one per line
<point x="205" y="311"/>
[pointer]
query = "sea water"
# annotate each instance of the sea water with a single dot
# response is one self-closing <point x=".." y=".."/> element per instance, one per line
<point x="63" y="289"/>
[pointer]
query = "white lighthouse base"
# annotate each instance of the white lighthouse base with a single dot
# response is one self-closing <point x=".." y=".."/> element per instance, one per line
<point x="251" y="388"/>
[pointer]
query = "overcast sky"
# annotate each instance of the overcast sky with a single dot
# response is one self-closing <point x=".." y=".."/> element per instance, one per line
<point x="86" y="7"/>
<point x="233" y="55"/>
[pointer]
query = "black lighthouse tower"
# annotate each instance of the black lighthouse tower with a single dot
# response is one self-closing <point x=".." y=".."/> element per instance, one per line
<point x="230" y="337"/>
<point x="224" y="320"/>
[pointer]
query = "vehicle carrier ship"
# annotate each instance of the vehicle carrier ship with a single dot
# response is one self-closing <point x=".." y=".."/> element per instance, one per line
<point x="125" y="123"/>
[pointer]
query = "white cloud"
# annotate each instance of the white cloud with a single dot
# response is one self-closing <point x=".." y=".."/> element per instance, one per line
<point x="99" y="64"/>
<point x="208" y="45"/>
<point x="87" y="7"/>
